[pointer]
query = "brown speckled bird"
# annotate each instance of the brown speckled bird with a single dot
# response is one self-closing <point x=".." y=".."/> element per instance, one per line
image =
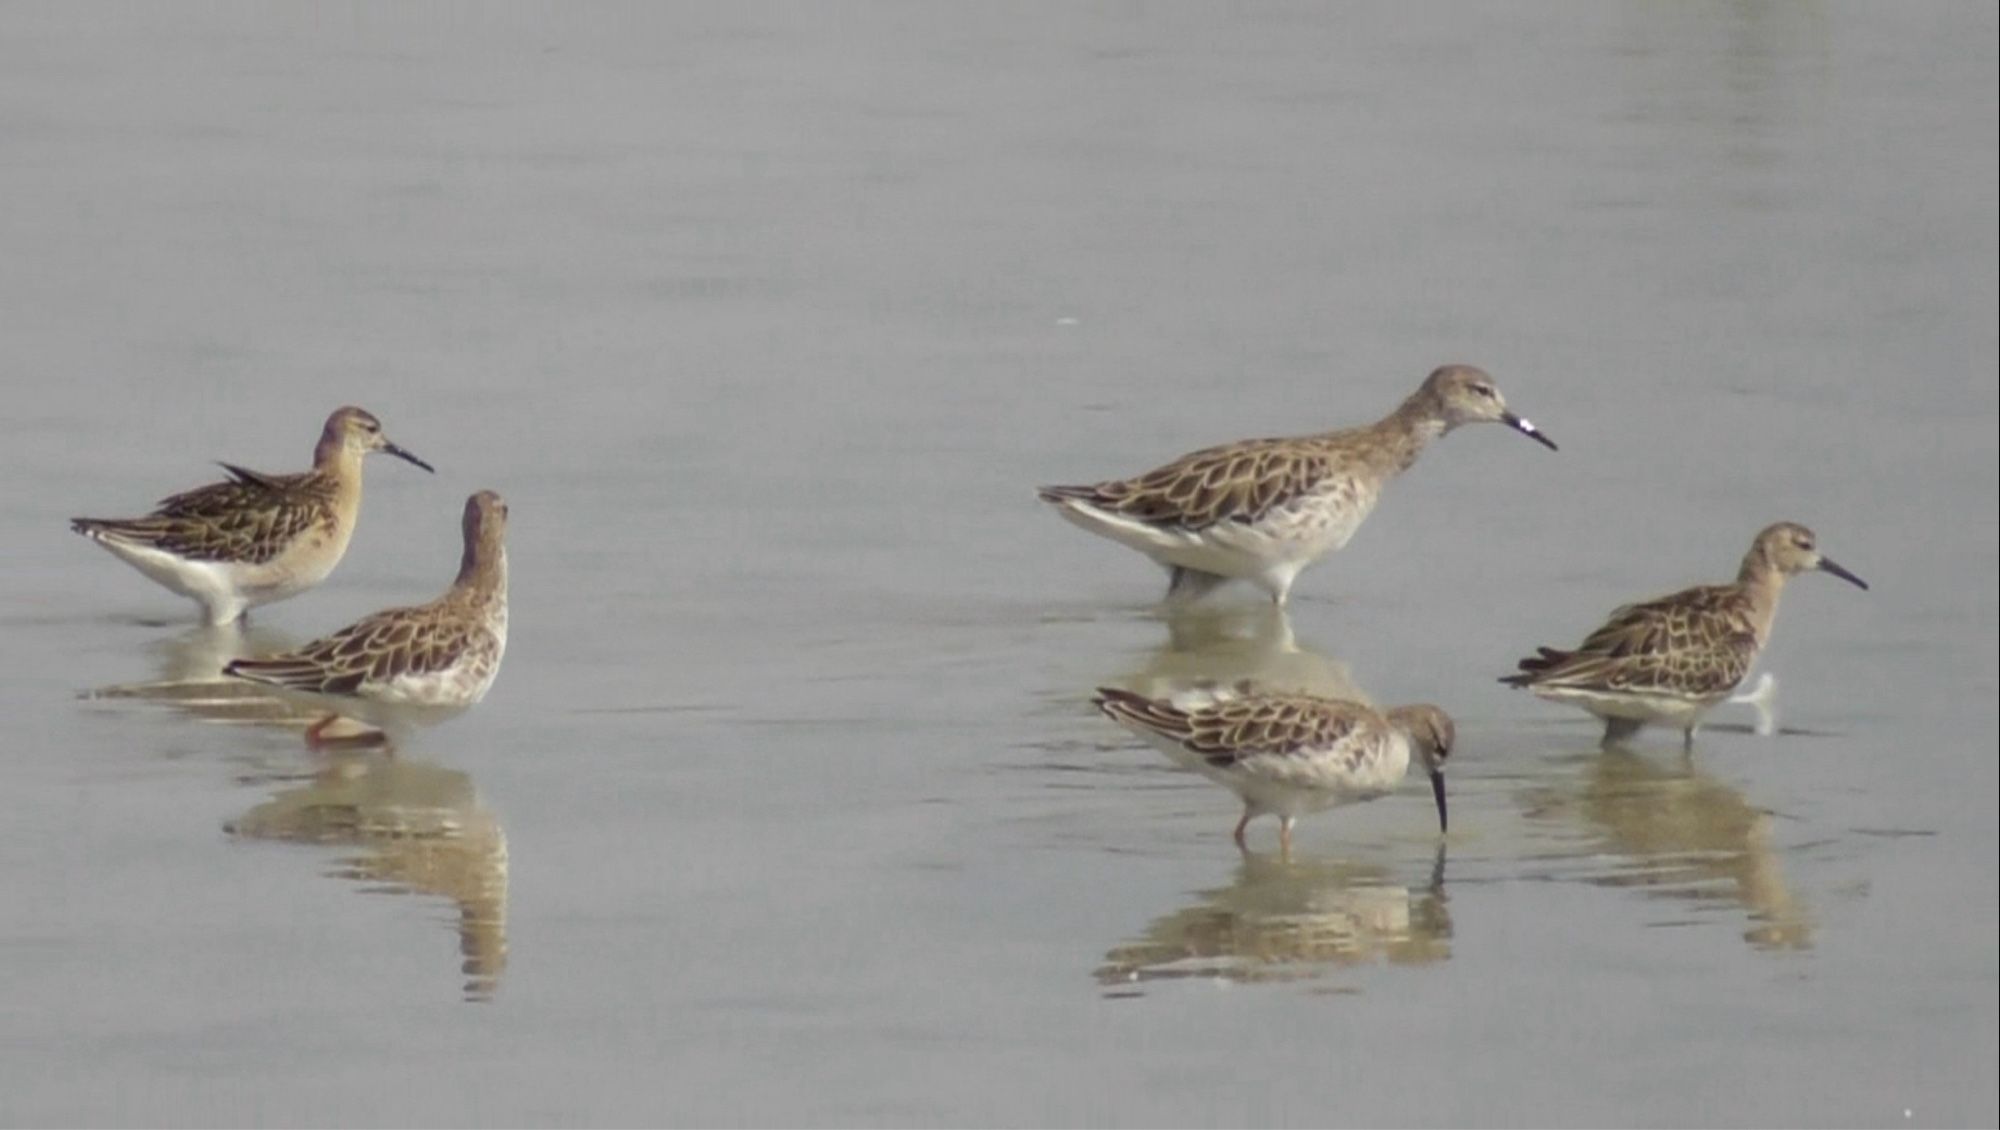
<point x="1288" y="754"/>
<point x="1263" y="509"/>
<point x="255" y="538"/>
<point x="406" y="664"/>
<point x="1676" y="657"/>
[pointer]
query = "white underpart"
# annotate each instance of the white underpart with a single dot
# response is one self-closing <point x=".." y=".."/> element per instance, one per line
<point x="214" y="585"/>
<point x="460" y="685"/>
<point x="454" y="686"/>
<point x="1634" y="706"/>
<point x="1294" y="785"/>
<point x="225" y="590"/>
<point x="1639" y="706"/>
<point x="1269" y="552"/>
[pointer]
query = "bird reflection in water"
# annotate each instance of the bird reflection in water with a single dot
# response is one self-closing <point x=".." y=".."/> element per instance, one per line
<point x="1679" y="834"/>
<point x="420" y="829"/>
<point x="1227" y="645"/>
<point x="1290" y="921"/>
<point x="190" y="677"/>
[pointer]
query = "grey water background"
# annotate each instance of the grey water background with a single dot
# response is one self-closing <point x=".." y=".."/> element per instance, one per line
<point x="789" y="804"/>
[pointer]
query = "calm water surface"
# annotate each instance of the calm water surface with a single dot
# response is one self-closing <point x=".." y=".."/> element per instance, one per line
<point x="789" y="805"/>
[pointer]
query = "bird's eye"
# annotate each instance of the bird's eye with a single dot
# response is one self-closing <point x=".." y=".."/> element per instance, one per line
<point x="1484" y="390"/>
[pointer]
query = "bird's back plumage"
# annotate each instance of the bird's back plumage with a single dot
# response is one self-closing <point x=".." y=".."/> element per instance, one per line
<point x="1235" y="482"/>
<point x="374" y="653"/>
<point x="249" y="518"/>
<point x="1698" y="643"/>
<point x="1230" y="728"/>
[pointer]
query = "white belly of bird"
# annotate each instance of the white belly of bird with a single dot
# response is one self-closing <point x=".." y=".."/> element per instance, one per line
<point x="461" y="684"/>
<point x="213" y="583"/>
<point x="226" y="588"/>
<point x="1633" y="706"/>
<point x="1277" y="545"/>
<point x="1297" y="784"/>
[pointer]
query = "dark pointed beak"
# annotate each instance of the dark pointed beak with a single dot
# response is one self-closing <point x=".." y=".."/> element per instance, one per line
<point x="1521" y="425"/>
<point x="1826" y="565"/>
<point x="392" y="449"/>
<point x="1437" y="790"/>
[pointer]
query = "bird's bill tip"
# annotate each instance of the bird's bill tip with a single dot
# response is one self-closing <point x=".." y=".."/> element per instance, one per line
<point x="400" y="453"/>
<point x="1437" y="790"/>
<point x="1827" y="565"/>
<point x="1521" y="424"/>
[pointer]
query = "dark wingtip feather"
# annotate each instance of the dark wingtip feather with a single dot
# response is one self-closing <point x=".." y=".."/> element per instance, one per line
<point x="1535" y="666"/>
<point x="1106" y="697"/>
<point x="1064" y="494"/>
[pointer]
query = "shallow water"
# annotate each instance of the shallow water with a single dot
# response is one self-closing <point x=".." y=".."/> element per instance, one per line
<point x="789" y="805"/>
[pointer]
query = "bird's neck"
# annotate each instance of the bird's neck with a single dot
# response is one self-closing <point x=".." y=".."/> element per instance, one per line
<point x="1397" y="439"/>
<point x="333" y="452"/>
<point x="339" y="464"/>
<point x="1761" y="584"/>
<point x="482" y="575"/>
